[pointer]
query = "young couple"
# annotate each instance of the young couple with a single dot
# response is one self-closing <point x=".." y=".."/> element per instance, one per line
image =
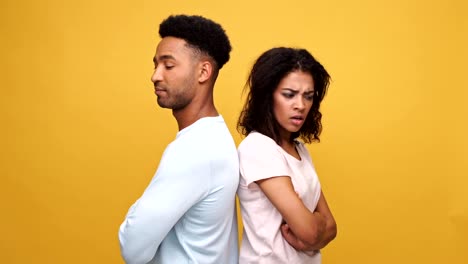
<point x="187" y="213"/>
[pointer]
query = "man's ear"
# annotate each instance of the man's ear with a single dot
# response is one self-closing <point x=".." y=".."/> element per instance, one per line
<point x="206" y="71"/>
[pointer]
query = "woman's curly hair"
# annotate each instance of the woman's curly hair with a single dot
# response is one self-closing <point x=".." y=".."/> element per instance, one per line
<point x="267" y="72"/>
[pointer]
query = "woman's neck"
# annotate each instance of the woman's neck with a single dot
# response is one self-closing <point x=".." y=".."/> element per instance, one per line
<point x="290" y="147"/>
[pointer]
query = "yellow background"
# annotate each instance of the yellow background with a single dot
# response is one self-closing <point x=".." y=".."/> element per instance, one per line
<point x="82" y="135"/>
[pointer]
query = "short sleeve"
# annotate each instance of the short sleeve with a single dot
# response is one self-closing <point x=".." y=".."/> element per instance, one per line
<point x="261" y="158"/>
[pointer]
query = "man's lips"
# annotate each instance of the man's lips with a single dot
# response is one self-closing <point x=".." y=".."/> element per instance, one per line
<point x="159" y="90"/>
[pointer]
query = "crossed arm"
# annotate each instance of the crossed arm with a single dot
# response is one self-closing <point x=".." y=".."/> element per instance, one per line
<point x="304" y="230"/>
<point x="160" y="207"/>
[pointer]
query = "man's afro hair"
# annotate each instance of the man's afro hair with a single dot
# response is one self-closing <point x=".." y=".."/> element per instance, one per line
<point x="200" y="32"/>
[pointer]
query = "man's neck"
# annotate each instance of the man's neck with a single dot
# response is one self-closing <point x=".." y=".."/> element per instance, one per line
<point x="193" y="112"/>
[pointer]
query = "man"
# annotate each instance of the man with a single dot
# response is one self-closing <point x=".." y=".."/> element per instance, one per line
<point x="187" y="213"/>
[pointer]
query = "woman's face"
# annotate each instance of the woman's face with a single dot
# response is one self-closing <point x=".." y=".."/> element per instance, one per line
<point x="292" y="101"/>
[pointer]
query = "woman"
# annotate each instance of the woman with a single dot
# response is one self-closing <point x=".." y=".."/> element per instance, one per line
<point x="285" y="215"/>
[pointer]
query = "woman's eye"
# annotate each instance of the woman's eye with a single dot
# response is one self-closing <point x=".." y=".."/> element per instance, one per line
<point x="288" y="95"/>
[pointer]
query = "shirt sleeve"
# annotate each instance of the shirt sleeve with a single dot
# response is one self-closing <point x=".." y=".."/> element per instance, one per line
<point x="172" y="191"/>
<point x="261" y="158"/>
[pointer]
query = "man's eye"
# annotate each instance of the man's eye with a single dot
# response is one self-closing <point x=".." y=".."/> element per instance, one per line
<point x="168" y="67"/>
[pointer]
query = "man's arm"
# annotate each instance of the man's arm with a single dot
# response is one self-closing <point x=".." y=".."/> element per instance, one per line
<point x="171" y="193"/>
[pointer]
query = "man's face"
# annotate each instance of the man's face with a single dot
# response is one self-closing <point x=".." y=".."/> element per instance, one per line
<point x="174" y="75"/>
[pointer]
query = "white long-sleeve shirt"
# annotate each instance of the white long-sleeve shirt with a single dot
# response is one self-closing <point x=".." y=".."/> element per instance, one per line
<point x="187" y="213"/>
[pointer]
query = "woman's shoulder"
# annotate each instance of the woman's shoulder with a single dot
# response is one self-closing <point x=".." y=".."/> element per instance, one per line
<point x="256" y="139"/>
<point x="300" y="144"/>
<point x="302" y="149"/>
<point x="257" y="142"/>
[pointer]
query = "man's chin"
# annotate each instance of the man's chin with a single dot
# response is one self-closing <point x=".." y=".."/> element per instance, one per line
<point x="175" y="106"/>
<point x="163" y="104"/>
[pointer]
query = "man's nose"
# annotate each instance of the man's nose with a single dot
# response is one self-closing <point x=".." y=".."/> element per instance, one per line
<point x="157" y="75"/>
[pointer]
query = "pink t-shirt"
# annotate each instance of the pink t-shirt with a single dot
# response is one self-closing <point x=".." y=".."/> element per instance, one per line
<point x="261" y="158"/>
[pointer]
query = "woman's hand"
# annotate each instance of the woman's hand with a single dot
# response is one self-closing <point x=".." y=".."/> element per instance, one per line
<point x="292" y="239"/>
<point x="326" y="224"/>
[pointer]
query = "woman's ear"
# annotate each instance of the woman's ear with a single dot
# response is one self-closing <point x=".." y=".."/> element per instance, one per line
<point x="206" y="71"/>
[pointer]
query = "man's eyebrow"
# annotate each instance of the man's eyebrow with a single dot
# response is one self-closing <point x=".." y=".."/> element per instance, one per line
<point x="163" y="57"/>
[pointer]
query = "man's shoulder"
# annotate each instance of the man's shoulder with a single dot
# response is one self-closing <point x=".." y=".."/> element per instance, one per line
<point x="198" y="144"/>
